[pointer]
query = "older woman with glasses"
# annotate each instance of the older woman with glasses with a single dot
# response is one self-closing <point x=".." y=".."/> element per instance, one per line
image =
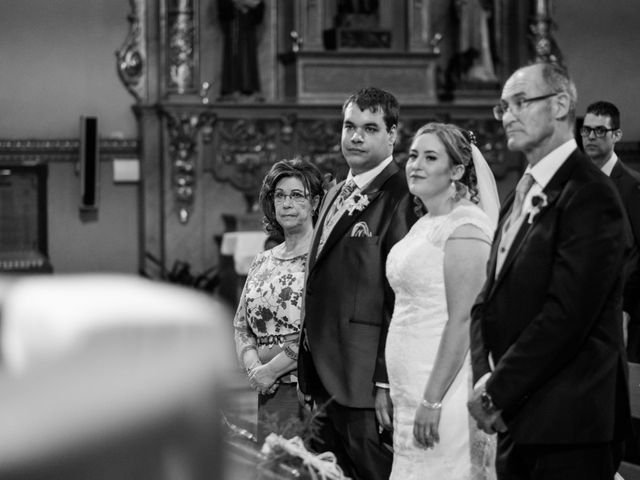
<point x="267" y="322"/>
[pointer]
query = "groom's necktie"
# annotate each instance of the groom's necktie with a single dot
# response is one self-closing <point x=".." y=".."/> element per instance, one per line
<point x="331" y="218"/>
<point x="522" y="188"/>
<point x="347" y="190"/>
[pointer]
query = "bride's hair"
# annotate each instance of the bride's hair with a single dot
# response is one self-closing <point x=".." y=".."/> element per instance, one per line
<point x="457" y="143"/>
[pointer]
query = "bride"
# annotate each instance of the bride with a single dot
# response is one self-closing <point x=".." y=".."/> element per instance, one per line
<point x="436" y="272"/>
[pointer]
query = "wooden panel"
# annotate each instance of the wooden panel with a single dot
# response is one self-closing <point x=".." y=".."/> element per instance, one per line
<point x="329" y="77"/>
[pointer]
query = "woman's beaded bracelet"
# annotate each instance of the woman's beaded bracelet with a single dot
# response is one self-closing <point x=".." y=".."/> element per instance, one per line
<point x="431" y="406"/>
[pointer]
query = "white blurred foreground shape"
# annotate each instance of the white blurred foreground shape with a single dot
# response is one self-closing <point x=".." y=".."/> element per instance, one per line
<point x="108" y="377"/>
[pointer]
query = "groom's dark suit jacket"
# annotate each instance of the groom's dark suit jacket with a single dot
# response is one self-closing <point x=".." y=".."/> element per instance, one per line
<point x="551" y="320"/>
<point x="627" y="182"/>
<point x="348" y="301"/>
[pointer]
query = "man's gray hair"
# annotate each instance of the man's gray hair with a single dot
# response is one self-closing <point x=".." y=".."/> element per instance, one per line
<point x="558" y="80"/>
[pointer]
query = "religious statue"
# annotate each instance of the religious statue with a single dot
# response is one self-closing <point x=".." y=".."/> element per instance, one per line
<point x="240" y="76"/>
<point x="474" y="40"/>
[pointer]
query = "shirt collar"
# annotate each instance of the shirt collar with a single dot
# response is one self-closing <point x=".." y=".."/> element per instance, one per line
<point x="546" y="168"/>
<point x="607" y="168"/>
<point x="362" y="179"/>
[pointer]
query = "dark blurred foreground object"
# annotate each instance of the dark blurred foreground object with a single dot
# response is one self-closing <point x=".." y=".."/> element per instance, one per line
<point x="96" y="394"/>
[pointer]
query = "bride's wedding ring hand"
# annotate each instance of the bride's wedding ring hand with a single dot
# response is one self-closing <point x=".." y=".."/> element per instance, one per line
<point x="426" y="425"/>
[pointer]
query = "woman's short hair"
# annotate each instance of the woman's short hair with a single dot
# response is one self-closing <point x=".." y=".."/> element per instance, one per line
<point x="304" y="171"/>
<point x="457" y="143"/>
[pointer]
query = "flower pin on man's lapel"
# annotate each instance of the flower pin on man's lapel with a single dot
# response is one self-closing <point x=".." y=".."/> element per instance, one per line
<point x="538" y="202"/>
<point x="356" y="203"/>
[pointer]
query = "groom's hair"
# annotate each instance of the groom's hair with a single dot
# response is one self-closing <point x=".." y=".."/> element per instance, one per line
<point x="373" y="98"/>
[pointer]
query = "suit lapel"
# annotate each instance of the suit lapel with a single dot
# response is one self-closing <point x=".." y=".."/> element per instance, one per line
<point x="322" y="216"/>
<point x="372" y="191"/>
<point x="505" y="211"/>
<point x="552" y="191"/>
<point x="616" y="173"/>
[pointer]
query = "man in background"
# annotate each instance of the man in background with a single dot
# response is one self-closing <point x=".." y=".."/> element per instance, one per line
<point x="600" y="132"/>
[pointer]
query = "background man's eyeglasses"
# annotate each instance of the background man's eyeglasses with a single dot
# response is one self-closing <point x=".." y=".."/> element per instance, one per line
<point x="599" y="131"/>
<point x="518" y="105"/>
<point x="295" y="196"/>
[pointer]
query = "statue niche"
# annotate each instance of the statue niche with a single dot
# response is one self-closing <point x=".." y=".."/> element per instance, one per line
<point x="357" y="25"/>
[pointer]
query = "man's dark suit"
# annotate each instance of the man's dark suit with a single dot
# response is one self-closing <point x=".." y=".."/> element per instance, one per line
<point x="550" y="321"/>
<point x="348" y="301"/>
<point x="627" y="182"/>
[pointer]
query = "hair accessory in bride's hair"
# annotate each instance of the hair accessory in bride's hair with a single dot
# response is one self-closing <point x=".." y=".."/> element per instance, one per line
<point x="472" y="137"/>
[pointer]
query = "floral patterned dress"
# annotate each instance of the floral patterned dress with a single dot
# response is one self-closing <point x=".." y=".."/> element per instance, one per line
<point x="268" y="321"/>
<point x="270" y="306"/>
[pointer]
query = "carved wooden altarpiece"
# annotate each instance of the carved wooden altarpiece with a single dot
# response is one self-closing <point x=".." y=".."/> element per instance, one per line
<point x="171" y="61"/>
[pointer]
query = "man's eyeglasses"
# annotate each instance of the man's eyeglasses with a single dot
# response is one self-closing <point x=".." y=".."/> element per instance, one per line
<point x="518" y="105"/>
<point x="296" y="197"/>
<point x="599" y="131"/>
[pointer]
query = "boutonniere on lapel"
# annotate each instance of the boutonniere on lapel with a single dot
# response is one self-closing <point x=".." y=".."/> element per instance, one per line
<point x="356" y="203"/>
<point x="538" y="202"/>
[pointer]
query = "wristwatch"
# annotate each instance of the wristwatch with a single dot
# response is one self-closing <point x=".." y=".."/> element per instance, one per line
<point x="487" y="402"/>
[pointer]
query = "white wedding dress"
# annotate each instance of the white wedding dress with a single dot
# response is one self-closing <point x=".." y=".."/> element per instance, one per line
<point x="415" y="272"/>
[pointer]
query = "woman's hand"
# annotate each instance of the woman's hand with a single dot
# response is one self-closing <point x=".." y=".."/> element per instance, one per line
<point x="262" y="379"/>
<point x="425" y="426"/>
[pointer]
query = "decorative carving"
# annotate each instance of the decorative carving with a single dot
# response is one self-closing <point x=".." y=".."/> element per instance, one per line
<point x="131" y="58"/>
<point x="183" y="138"/>
<point x="544" y="45"/>
<point x="246" y="150"/>
<point x="319" y="142"/>
<point x="204" y="92"/>
<point x="296" y="41"/>
<point x="341" y="38"/>
<point x="182" y="38"/>
<point x="35" y="151"/>
<point x="288" y="123"/>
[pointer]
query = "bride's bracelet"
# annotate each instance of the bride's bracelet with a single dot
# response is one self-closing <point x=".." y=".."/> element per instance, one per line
<point x="431" y="406"/>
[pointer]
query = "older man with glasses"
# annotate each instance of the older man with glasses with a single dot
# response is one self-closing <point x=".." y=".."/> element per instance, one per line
<point x="546" y="343"/>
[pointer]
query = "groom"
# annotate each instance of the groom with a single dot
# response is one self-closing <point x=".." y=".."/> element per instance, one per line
<point x="348" y="301"/>
<point x="546" y="331"/>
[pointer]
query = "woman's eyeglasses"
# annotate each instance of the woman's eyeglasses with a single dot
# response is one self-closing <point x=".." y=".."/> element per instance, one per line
<point x="295" y="196"/>
<point x="599" y="131"/>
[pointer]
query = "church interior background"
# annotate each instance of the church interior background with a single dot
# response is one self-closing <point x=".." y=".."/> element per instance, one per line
<point x="135" y="134"/>
<point x="192" y="104"/>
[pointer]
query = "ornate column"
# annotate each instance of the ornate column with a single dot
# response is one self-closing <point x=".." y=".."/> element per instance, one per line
<point x="309" y="24"/>
<point x="183" y="129"/>
<point x="132" y="57"/>
<point x="421" y="38"/>
<point x="181" y="69"/>
<point x="545" y="48"/>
